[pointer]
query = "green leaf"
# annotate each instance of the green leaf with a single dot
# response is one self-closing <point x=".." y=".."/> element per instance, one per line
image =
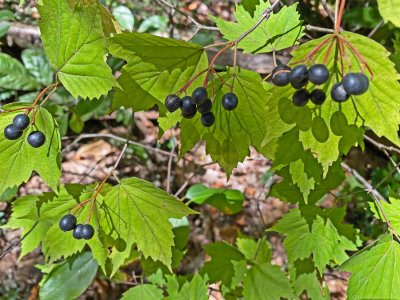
<point x="4" y="29"/>
<point x="300" y="242"/>
<point x="8" y="194"/>
<point x="152" y="73"/>
<point x="250" y="6"/>
<point x="110" y="24"/>
<point x="14" y="76"/>
<point x="377" y="109"/>
<point x="75" y="45"/>
<point x="19" y="209"/>
<point x="280" y="31"/>
<point x="124" y="17"/>
<point x="375" y="271"/>
<point x="36" y="62"/>
<point x="69" y="279"/>
<point x="196" y="289"/>
<point x="301" y="179"/>
<point x="363" y="16"/>
<point x="228" y="201"/>
<point x="143" y="292"/>
<point x="6" y="15"/>
<point x="228" y="140"/>
<point x="19" y="159"/>
<point x="390" y="11"/>
<point x="153" y="23"/>
<point x="259" y="251"/>
<point x="266" y="281"/>
<point x="220" y="267"/>
<point x="141" y="213"/>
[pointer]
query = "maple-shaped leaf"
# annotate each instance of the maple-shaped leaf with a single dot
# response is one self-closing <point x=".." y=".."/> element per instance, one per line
<point x="377" y="109"/>
<point x="19" y="159"/>
<point x="228" y="140"/>
<point x="139" y="212"/>
<point x="259" y="251"/>
<point x="375" y="271"/>
<point x="156" y="67"/>
<point x="75" y="44"/>
<point x="17" y="220"/>
<point x="390" y="11"/>
<point x="301" y="242"/>
<point x="266" y="281"/>
<point x="196" y="289"/>
<point x="304" y="277"/>
<point x="220" y="268"/>
<point x="280" y="31"/>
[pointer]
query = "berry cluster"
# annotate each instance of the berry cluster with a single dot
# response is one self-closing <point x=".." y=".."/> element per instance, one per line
<point x="80" y="231"/>
<point x="20" y="123"/>
<point x="199" y="102"/>
<point x="299" y="76"/>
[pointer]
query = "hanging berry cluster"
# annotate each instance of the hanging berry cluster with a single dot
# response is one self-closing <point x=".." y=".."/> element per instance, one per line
<point x="80" y="231"/>
<point x="199" y="102"/>
<point x="20" y="123"/>
<point x="318" y="74"/>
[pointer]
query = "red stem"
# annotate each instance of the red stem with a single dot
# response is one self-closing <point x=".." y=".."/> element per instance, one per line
<point x="184" y="88"/>
<point x="220" y="78"/>
<point x="359" y="56"/>
<point x="344" y="54"/>
<point x="328" y="52"/>
<point x="316" y="49"/>
<point x="341" y="58"/>
<point x="213" y="62"/>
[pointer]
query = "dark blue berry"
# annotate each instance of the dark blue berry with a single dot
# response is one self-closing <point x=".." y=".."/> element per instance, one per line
<point x="301" y="97"/>
<point x="173" y="102"/>
<point x="87" y="231"/>
<point x="67" y="223"/>
<point x="207" y="119"/>
<point x="281" y="75"/>
<point x="36" y="139"/>
<point x="199" y="95"/>
<point x="318" y="96"/>
<point x="300" y="84"/>
<point x="229" y="101"/>
<point x="188" y="107"/>
<point x="355" y="83"/>
<point x="338" y="93"/>
<point x="77" y="233"/>
<point x="298" y="74"/>
<point x="21" y="121"/>
<point x="205" y="107"/>
<point x="12" y="133"/>
<point x="318" y="74"/>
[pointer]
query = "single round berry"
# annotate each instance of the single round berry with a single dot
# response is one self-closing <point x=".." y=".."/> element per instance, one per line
<point x="189" y="116"/>
<point x="205" y="107"/>
<point x="338" y="93"/>
<point x="355" y="83"/>
<point x="77" y="233"/>
<point x="36" y="139"/>
<point x="21" y="121"/>
<point x="173" y="102"/>
<point x="317" y="96"/>
<point x="199" y="95"/>
<point x="300" y="84"/>
<point x="298" y="74"/>
<point x="188" y="107"/>
<point x="229" y="101"/>
<point x="301" y="97"/>
<point x="67" y="223"/>
<point x="12" y="133"/>
<point x="207" y="119"/>
<point x="318" y="74"/>
<point x="281" y="75"/>
<point x="87" y="231"/>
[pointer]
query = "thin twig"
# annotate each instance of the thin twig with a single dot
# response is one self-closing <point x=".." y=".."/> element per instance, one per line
<point x="370" y="35"/>
<point x="368" y="187"/>
<point x="328" y="11"/>
<point x="320" y="29"/>
<point x="381" y="146"/>
<point x="19" y="241"/>
<point x="114" y="137"/>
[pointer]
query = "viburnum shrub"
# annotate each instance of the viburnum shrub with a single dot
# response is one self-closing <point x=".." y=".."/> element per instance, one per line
<point x="305" y="117"/>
